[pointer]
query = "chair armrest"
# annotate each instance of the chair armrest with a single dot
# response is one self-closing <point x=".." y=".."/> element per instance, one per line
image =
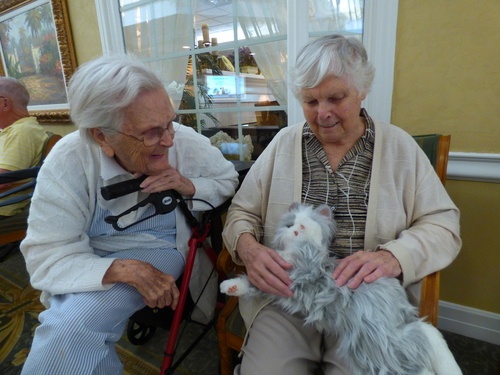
<point x="20" y="183"/>
<point x="429" y="298"/>
<point x="226" y="266"/>
<point x="28" y="185"/>
<point x="19" y="175"/>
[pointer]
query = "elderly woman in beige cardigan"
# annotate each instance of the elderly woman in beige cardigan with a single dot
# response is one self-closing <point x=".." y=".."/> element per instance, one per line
<point x="394" y="216"/>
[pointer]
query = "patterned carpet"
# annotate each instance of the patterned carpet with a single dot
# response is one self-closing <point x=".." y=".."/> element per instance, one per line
<point x="19" y="308"/>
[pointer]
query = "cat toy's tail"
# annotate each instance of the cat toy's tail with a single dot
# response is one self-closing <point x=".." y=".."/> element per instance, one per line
<point x="382" y="335"/>
<point x="443" y="362"/>
<point x="373" y="351"/>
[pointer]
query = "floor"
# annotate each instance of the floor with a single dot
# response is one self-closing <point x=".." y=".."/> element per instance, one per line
<point x="474" y="357"/>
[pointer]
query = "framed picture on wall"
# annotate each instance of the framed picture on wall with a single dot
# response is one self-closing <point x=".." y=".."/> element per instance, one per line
<point x="36" y="47"/>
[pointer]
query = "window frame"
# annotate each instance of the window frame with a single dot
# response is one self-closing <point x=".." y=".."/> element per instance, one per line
<point x="379" y="39"/>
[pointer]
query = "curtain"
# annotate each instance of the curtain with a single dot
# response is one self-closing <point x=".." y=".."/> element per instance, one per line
<point x="159" y="28"/>
<point x="265" y="20"/>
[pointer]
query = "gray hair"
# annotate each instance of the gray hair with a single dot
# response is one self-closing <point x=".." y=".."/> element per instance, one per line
<point x="336" y="55"/>
<point x="101" y="90"/>
<point x="15" y="90"/>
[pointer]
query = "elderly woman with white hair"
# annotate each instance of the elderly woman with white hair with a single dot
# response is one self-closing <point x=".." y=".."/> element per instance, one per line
<point x="92" y="276"/>
<point x="394" y="217"/>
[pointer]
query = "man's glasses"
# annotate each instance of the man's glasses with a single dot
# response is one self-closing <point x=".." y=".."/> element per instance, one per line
<point x="153" y="136"/>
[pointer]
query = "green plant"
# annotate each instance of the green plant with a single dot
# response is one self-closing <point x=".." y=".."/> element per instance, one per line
<point x="205" y="100"/>
<point x="245" y="56"/>
<point x="207" y="61"/>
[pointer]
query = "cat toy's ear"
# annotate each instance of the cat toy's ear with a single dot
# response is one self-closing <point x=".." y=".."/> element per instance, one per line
<point x="293" y="206"/>
<point x="325" y="211"/>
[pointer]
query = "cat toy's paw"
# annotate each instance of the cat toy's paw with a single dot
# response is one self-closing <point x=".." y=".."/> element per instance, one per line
<point x="234" y="287"/>
<point x="228" y="287"/>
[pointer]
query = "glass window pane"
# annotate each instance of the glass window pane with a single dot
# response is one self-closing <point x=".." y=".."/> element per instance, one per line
<point x="214" y="22"/>
<point x="156" y="28"/>
<point x="339" y="16"/>
<point x="128" y="2"/>
<point x="246" y="142"/>
<point x="270" y="59"/>
<point x="262" y="19"/>
<point x="224" y="76"/>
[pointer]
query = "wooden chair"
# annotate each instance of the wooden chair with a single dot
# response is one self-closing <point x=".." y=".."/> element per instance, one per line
<point x="13" y="229"/>
<point x="230" y="326"/>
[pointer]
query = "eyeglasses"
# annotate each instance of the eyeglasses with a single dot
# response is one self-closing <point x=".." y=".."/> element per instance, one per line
<point x="153" y="136"/>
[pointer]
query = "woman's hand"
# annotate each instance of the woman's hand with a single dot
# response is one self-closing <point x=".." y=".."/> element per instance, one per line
<point x="166" y="180"/>
<point x="366" y="266"/>
<point x="157" y="288"/>
<point x="266" y="270"/>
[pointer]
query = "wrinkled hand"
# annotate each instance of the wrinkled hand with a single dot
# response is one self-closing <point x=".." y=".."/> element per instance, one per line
<point x="266" y="270"/>
<point x="157" y="288"/>
<point x="166" y="180"/>
<point x="366" y="266"/>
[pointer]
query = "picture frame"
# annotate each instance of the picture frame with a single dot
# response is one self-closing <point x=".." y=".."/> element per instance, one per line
<point x="36" y="47"/>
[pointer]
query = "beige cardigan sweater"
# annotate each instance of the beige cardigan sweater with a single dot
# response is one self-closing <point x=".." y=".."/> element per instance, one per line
<point x="409" y="211"/>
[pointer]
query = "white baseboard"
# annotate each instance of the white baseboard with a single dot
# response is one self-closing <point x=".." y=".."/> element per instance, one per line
<point x="470" y="322"/>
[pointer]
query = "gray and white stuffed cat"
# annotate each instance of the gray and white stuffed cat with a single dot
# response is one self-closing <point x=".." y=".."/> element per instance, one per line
<point x="379" y="330"/>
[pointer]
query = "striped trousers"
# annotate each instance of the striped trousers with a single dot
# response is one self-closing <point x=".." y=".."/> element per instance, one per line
<point x="78" y="332"/>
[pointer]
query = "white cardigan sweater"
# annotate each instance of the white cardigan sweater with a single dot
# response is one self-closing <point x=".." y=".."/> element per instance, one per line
<point x="58" y="251"/>
<point x="409" y="211"/>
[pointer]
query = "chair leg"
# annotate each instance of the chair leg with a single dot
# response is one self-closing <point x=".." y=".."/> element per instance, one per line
<point x="225" y="356"/>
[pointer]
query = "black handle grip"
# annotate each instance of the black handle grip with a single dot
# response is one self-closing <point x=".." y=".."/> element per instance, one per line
<point x="122" y="188"/>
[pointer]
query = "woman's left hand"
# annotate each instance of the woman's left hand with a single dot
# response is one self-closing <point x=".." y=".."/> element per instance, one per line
<point x="366" y="266"/>
<point x="166" y="180"/>
<point x="156" y="288"/>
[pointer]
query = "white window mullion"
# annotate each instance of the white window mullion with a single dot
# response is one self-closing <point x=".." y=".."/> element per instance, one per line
<point x="297" y="26"/>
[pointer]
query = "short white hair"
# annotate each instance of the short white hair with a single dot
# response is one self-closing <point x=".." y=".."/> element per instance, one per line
<point x="102" y="89"/>
<point x="344" y="57"/>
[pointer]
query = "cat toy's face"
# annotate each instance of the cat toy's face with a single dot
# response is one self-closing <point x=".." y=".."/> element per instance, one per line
<point x="304" y="224"/>
<point x="300" y="227"/>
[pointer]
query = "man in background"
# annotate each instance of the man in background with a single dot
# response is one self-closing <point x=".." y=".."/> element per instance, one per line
<point x="21" y="136"/>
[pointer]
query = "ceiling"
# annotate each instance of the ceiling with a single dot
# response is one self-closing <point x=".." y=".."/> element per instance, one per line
<point x="218" y="15"/>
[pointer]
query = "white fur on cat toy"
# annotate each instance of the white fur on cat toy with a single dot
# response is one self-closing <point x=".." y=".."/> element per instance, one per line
<point x="379" y="330"/>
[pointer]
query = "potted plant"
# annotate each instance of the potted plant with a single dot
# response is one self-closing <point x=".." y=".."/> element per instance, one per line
<point x="247" y="61"/>
<point x="203" y="61"/>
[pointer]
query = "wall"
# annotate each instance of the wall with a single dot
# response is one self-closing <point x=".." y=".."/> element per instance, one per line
<point x="445" y="70"/>
<point x="446" y="63"/>
<point x="86" y="39"/>
<point x="446" y="81"/>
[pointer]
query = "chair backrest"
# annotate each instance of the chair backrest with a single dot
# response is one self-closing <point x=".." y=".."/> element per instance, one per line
<point x="49" y="143"/>
<point x="437" y="148"/>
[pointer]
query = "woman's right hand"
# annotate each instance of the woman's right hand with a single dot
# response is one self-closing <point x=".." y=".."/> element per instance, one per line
<point x="157" y="288"/>
<point x="265" y="269"/>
